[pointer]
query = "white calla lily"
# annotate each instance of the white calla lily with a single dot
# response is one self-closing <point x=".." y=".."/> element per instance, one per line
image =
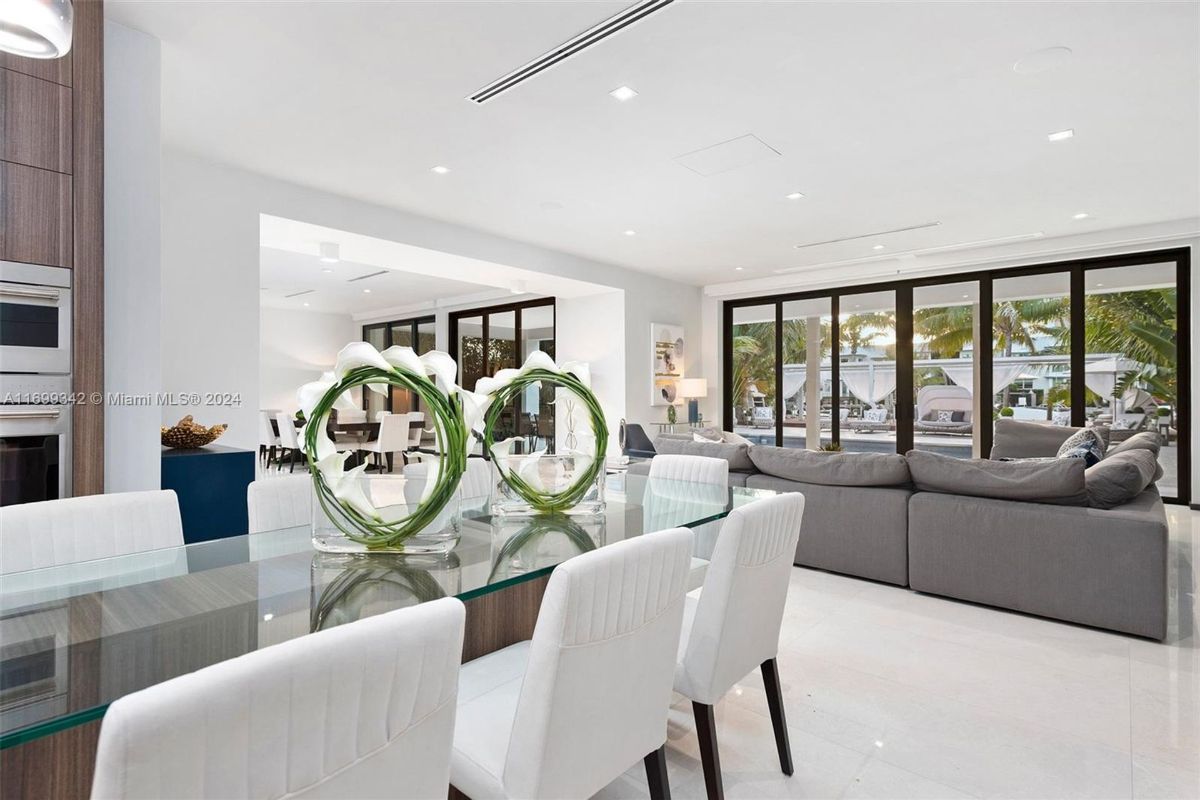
<point x="349" y="492"/>
<point x="359" y="354"/>
<point x="404" y="358"/>
<point x="443" y="369"/>
<point x="308" y="395"/>
<point x="580" y="370"/>
<point x="539" y="360"/>
<point x="497" y="382"/>
<point x="529" y="470"/>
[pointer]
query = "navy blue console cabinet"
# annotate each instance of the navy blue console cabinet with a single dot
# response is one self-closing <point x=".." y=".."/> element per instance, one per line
<point x="211" y="484"/>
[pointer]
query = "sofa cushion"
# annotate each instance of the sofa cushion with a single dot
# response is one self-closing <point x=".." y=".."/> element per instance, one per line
<point x="1058" y="481"/>
<point x="738" y="455"/>
<point x="1121" y="477"/>
<point x="1145" y="440"/>
<point x="1015" y="439"/>
<point x="831" y="469"/>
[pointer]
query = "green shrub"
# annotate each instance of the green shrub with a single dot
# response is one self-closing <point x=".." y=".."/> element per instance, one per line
<point x="1007" y="411"/>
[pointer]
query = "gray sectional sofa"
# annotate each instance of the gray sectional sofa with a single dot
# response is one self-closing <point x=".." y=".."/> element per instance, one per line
<point x="1047" y="537"/>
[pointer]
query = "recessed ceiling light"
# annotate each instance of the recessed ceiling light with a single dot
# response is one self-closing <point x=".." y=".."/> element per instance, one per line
<point x="1081" y="215"/>
<point x="330" y="252"/>
<point x="623" y="93"/>
<point x="794" y="196"/>
<point x="877" y="247"/>
<point x="1099" y="284"/>
<point x="738" y="269"/>
<point x="631" y="233"/>
<point x="966" y="297"/>
<point x="366" y="291"/>
<point x="327" y="269"/>
<point x="1060" y="136"/>
<point x="306" y="305"/>
<point x="440" y="170"/>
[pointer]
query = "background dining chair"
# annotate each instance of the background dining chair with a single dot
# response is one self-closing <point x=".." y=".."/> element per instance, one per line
<point x="565" y="714"/>
<point x="268" y="440"/>
<point x="733" y="626"/>
<point x="416" y="431"/>
<point x="352" y="416"/>
<point x="682" y="487"/>
<point x="361" y="710"/>
<point x="288" y="440"/>
<point x="392" y="438"/>
<point x="277" y="503"/>
<point x="55" y="532"/>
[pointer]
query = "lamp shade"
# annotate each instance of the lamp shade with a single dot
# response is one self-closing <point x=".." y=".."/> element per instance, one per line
<point x="692" y="387"/>
<point x="36" y="28"/>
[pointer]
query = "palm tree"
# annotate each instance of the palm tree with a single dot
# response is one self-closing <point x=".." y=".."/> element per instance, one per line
<point x="753" y="360"/>
<point x="1142" y="325"/>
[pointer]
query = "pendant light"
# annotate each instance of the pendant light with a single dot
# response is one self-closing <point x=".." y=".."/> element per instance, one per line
<point x="36" y="28"/>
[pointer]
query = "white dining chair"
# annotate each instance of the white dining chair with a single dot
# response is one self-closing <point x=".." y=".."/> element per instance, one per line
<point x="51" y="533"/>
<point x="683" y="486"/>
<point x="733" y="626"/>
<point x="280" y="502"/>
<point x="565" y="714"/>
<point x="353" y="415"/>
<point x="362" y="710"/>
<point x="392" y="438"/>
<point x="416" y="429"/>
<point x="289" y="441"/>
<point x="268" y="440"/>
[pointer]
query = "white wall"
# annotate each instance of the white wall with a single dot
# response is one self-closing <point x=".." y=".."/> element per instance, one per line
<point x="586" y="329"/>
<point x="132" y="274"/>
<point x="295" y="347"/>
<point x="210" y="281"/>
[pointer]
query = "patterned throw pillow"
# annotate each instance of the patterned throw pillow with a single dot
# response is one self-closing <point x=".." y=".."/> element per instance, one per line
<point x="1081" y="438"/>
<point x="945" y="416"/>
<point x="1089" y="451"/>
<point x="958" y="416"/>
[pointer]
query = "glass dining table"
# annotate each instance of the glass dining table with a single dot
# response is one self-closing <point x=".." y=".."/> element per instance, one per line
<point x="74" y="638"/>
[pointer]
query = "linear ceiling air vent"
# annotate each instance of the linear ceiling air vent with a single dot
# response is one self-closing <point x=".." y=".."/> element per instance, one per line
<point x="591" y="36"/>
<point x="297" y="294"/>
<point x="868" y="235"/>
<point x="368" y="275"/>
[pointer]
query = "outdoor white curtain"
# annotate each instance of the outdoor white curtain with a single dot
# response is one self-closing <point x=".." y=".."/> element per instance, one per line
<point x="1101" y="376"/>
<point x="871" y="385"/>
<point x="1002" y="375"/>
<point x="793" y="379"/>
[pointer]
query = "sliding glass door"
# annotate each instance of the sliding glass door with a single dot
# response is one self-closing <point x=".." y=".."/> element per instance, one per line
<point x="931" y="364"/>
<point x="487" y="340"/>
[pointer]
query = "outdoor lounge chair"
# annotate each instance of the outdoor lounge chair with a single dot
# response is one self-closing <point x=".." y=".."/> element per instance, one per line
<point x="944" y="409"/>
<point x="873" y="419"/>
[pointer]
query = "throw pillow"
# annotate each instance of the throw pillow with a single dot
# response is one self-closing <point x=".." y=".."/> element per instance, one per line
<point x="945" y="416"/>
<point x="1080" y="438"/>
<point x="700" y="437"/>
<point x="1088" y="451"/>
<point x="958" y="416"/>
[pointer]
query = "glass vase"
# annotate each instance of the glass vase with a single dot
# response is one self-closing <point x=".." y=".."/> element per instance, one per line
<point x="348" y="587"/>
<point x="395" y="497"/>
<point x="551" y="476"/>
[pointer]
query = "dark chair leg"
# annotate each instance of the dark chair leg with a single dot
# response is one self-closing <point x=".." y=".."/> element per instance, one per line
<point x="656" y="774"/>
<point x="706" y="732"/>
<point x="391" y="462"/>
<point x="271" y="455"/>
<point x="262" y="453"/>
<point x="291" y="460"/>
<point x="770" y="676"/>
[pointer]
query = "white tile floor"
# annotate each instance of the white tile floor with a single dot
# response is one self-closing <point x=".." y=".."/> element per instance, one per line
<point x="894" y="694"/>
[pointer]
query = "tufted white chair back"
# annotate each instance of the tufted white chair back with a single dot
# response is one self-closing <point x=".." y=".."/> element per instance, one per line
<point x="266" y="435"/>
<point x="56" y="532"/>
<point x="595" y="695"/>
<point x="361" y="710"/>
<point x="695" y="469"/>
<point x="277" y="503"/>
<point x="288" y="437"/>
<point x="740" y="610"/>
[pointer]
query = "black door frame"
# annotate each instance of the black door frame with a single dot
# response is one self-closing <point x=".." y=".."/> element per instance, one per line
<point x="1074" y="268"/>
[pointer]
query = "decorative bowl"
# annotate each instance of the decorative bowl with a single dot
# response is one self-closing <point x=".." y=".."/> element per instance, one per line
<point x="188" y="434"/>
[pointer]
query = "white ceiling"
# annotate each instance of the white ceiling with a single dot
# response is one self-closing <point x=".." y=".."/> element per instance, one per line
<point x="885" y="115"/>
<point x="282" y="273"/>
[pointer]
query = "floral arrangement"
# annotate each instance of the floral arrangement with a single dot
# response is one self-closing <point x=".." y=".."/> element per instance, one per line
<point x="339" y="491"/>
<point x="522" y="473"/>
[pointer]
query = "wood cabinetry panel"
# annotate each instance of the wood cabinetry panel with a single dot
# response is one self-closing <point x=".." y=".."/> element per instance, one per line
<point x="53" y="69"/>
<point x="36" y="222"/>
<point x="35" y="122"/>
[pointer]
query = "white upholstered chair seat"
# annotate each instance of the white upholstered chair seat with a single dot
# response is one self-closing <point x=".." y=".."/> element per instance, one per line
<point x="56" y="532"/>
<point x="565" y="714"/>
<point x="364" y="710"/>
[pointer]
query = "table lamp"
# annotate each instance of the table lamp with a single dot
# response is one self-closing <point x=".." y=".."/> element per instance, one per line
<point x="690" y="389"/>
